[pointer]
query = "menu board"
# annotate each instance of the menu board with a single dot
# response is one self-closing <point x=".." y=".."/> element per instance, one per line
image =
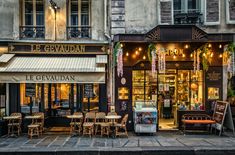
<point x="30" y="89"/>
<point x="88" y="91"/>
<point x="223" y="116"/>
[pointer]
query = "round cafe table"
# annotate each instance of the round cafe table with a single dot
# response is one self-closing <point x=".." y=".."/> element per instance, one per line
<point x="113" y="118"/>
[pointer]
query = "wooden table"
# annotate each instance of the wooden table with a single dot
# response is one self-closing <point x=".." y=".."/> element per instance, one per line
<point x="113" y="118"/>
<point x="11" y="119"/>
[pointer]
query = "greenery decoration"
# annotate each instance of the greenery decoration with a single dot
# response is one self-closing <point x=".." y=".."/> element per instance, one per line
<point x="205" y="56"/>
<point x="231" y="47"/>
<point x="151" y="47"/>
<point x="115" y="51"/>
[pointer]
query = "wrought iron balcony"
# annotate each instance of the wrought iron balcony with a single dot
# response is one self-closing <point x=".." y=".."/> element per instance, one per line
<point x="32" y="32"/>
<point x="77" y="32"/>
<point x="191" y="17"/>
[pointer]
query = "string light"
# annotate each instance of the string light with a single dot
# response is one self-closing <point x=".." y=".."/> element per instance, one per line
<point x="191" y="55"/>
<point x="144" y="57"/>
<point x="220" y="55"/>
<point x="204" y="54"/>
<point x="183" y="55"/>
<point x="186" y="46"/>
<point x="140" y="49"/>
<point x="121" y="45"/>
<point x="220" y="46"/>
<point x="174" y="57"/>
<point x="136" y="52"/>
<point x="209" y="45"/>
<point x="212" y="54"/>
<point x="127" y="54"/>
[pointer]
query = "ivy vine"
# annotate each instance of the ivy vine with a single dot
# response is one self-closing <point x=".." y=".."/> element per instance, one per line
<point x="151" y="47"/>
<point x="115" y="51"/>
<point x="205" y="51"/>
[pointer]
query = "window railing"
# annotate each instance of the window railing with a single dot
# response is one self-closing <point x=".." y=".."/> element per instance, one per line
<point x="32" y="32"/>
<point x="192" y="16"/>
<point x="77" y="32"/>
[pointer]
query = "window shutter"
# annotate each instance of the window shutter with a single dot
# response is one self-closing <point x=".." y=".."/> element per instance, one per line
<point x="165" y="12"/>
<point x="230" y="11"/>
<point x="212" y="12"/>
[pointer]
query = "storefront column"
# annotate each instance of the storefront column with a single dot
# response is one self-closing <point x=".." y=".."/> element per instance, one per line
<point x="71" y="102"/>
<point x="42" y="107"/>
<point x="49" y="99"/>
<point x="14" y="97"/>
<point x="7" y="99"/>
<point x="225" y="83"/>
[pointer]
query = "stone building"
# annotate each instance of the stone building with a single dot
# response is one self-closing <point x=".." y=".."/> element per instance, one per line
<point x="54" y="57"/>
<point x="181" y="29"/>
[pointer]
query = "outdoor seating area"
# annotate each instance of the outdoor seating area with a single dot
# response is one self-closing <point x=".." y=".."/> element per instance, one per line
<point x="89" y="124"/>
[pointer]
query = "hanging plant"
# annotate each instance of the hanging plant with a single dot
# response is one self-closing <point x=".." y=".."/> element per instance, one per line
<point x="115" y="51"/>
<point x="151" y="48"/>
<point x="205" y="54"/>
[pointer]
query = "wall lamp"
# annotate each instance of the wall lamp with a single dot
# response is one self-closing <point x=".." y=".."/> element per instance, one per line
<point x="54" y="6"/>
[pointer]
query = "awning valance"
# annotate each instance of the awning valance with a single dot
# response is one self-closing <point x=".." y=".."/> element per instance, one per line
<point x="52" y="70"/>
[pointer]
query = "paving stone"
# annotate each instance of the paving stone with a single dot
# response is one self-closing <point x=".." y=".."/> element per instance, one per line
<point x="169" y="142"/>
<point x="70" y="142"/>
<point x="46" y="141"/>
<point x="132" y="143"/>
<point x="194" y="142"/>
<point x="84" y="142"/>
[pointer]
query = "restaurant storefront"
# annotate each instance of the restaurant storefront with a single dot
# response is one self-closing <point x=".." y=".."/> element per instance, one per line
<point x="181" y="88"/>
<point x="55" y="78"/>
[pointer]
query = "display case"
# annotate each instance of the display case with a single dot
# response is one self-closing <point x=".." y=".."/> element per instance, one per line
<point x="145" y="117"/>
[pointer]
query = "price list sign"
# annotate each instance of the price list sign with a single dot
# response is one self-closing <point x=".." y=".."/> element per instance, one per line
<point x="88" y="91"/>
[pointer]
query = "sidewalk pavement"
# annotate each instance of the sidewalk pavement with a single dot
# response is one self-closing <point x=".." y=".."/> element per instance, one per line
<point x="162" y="143"/>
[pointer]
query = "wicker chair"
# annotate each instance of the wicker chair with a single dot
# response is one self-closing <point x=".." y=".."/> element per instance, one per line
<point x="121" y="126"/>
<point x="88" y="125"/>
<point x="99" y="119"/>
<point x="76" y="123"/>
<point x="40" y="121"/>
<point x="15" y="124"/>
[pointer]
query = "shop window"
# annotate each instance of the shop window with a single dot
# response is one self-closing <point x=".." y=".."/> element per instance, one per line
<point x="33" y="24"/>
<point x="30" y="98"/>
<point x="79" y="19"/>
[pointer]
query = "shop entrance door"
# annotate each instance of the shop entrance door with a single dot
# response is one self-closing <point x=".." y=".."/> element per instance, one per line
<point x="167" y="106"/>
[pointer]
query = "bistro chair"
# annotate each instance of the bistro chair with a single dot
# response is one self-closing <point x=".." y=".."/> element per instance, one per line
<point x="76" y="123"/>
<point x="33" y="130"/>
<point x="40" y="121"/>
<point x="88" y="125"/>
<point x="99" y="119"/>
<point x="15" y="124"/>
<point x="120" y="128"/>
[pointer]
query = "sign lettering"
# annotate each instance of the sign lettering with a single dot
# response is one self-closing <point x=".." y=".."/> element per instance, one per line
<point x="213" y="76"/>
<point x="41" y="78"/>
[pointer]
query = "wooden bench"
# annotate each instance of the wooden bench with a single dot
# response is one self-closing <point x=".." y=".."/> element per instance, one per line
<point x="196" y="119"/>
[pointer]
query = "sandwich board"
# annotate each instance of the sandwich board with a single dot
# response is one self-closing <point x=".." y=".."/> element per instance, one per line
<point x="223" y="116"/>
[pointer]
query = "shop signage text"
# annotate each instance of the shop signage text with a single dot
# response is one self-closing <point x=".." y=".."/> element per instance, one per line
<point x="213" y="76"/>
<point x="57" y="48"/>
<point x="42" y="78"/>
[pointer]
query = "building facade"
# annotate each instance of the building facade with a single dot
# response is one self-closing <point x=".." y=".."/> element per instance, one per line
<point x="54" y="57"/>
<point x="182" y="30"/>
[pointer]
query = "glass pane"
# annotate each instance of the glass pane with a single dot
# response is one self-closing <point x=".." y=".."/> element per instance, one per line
<point x="28" y="19"/>
<point x="177" y="6"/>
<point x="183" y="87"/>
<point x="85" y="7"/>
<point x="93" y="101"/>
<point x="29" y="6"/>
<point x="84" y="20"/>
<point x="39" y="6"/>
<point x="197" y="96"/>
<point x="40" y="19"/>
<point x="74" y="19"/>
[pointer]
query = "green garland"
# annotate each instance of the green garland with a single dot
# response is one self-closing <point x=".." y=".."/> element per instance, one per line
<point x="206" y="61"/>
<point x="117" y="46"/>
<point x="231" y="47"/>
<point x="151" y="47"/>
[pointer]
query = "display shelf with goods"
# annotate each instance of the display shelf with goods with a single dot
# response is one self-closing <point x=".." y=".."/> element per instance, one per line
<point x="145" y="117"/>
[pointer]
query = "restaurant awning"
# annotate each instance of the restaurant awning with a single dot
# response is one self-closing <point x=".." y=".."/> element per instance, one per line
<point x="34" y="69"/>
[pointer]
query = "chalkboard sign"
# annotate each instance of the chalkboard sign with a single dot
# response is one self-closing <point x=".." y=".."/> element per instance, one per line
<point x="223" y="116"/>
<point x="30" y="89"/>
<point x="88" y="91"/>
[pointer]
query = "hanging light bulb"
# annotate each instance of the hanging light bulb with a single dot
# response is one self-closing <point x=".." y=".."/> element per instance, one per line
<point x="183" y="55"/>
<point x="209" y="45"/>
<point x="140" y="49"/>
<point x="191" y="55"/>
<point x="144" y="57"/>
<point x="220" y="46"/>
<point x="136" y="52"/>
<point x="174" y="57"/>
<point x="121" y="45"/>
<point x="212" y="54"/>
<point x="127" y="54"/>
<point x="220" y="55"/>
<point x="186" y="46"/>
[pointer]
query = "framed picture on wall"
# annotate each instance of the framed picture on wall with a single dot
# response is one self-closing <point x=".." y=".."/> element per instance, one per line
<point x="123" y="93"/>
<point x="213" y="93"/>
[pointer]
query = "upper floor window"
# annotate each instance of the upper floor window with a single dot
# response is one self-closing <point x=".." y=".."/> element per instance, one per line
<point x="79" y="19"/>
<point x="187" y="11"/>
<point x="32" y="19"/>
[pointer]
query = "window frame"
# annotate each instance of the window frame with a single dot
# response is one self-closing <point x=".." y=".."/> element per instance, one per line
<point x="159" y="12"/>
<point x="228" y="20"/>
<point x="34" y="13"/>
<point x="79" y="14"/>
<point x="205" y="13"/>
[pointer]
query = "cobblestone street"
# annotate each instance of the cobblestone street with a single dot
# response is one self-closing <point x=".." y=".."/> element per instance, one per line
<point x="162" y="143"/>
